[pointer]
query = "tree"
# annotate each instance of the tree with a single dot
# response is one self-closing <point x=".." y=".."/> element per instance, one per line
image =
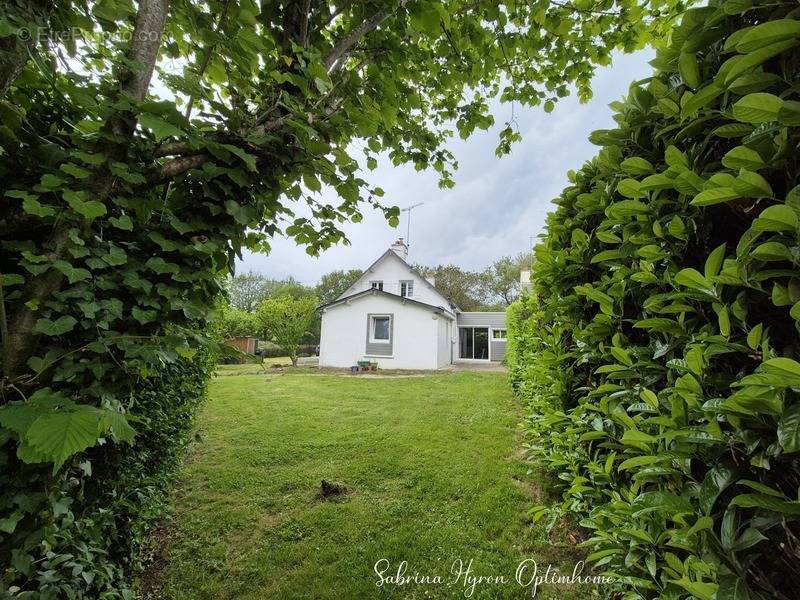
<point x="289" y="287"/>
<point x="464" y="288"/>
<point x="287" y="320"/>
<point x="247" y="291"/>
<point x="232" y="322"/>
<point x="333" y="284"/>
<point x="503" y="277"/>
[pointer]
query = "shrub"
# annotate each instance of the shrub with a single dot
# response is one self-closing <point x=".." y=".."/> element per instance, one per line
<point x="658" y="350"/>
<point x="80" y="533"/>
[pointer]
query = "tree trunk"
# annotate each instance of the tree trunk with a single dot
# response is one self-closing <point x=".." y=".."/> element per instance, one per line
<point x="143" y="49"/>
<point x="16" y="49"/>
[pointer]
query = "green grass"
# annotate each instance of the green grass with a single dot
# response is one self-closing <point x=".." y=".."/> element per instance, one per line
<point x="432" y="472"/>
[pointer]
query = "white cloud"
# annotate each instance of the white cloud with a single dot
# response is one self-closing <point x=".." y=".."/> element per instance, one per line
<point x="496" y="205"/>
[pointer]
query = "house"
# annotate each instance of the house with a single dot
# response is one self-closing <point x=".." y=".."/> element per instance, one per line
<point x="396" y="317"/>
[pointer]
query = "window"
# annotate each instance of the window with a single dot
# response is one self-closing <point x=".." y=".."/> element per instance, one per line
<point x="498" y="334"/>
<point x="380" y="329"/>
<point x="406" y="289"/>
<point x="376" y="285"/>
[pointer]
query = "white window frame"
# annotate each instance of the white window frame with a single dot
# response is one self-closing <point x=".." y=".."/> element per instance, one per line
<point x="372" y="338"/>
<point x="376" y="285"/>
<point x="500" y="339"/>
<point x="409" y="284"/>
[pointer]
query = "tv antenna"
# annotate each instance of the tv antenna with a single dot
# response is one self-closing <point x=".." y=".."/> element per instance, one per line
<point x="408" y="209"/>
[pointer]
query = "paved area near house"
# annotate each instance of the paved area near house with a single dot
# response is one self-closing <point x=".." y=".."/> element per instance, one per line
<point x="485" y="367"/>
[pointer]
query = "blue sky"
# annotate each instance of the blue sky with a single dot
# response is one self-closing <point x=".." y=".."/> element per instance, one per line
<point x="496" y="206"/>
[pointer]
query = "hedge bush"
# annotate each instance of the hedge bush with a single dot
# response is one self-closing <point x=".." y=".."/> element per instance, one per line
<point x="659" y="348"/>
<point x="83" y="532"/>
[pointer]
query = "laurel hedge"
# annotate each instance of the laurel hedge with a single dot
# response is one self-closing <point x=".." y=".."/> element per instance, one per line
<point x="659" y="348"/>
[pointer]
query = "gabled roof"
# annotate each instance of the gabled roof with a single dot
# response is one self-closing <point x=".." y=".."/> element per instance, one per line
<point x="453" y="305"/>
<point x="375" y="291"/>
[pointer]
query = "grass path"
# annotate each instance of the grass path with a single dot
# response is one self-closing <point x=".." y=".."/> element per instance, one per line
<point x="432" y="477"/>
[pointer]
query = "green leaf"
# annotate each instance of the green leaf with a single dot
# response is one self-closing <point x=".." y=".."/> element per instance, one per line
<point x="61" y="434"/>
<point x="32" y="206"/>
<point x="760" y="487"/>
<point x="714" y="261"/>
<point x="117" y="423"/>
<point x="776" y="218"/>
<point x="768" y="33"/>
<point x="701" y="590"/>
<point x="757" y="108"/>
<point x="629" y="188"/>
<point x="753" y="59"/>
<point x="160" y="266"/>
<point x="161" y="129"/>
<point x="248" y="159"/>
<point x="636" y="166"/>
<point x="90" y="209"/>
<point x="784" y="367"/>
<point x="692" y="279"/>
<point x="74" y="170"/>
<point x="122" y="222"/>
<point x="771" y="251"/>
<point x="754" y="336"/>
<point x="687" y="65"/>
<point x="52" y="328"/>
<point x="743" y="157"/>
<point x="766" y="503"/>
<point x="752" y="185"/>
<point x="701" y="99"/>
<point x="715" y="196"/>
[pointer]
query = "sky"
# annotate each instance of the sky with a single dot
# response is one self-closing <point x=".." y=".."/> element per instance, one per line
<point x="497" y="205"/>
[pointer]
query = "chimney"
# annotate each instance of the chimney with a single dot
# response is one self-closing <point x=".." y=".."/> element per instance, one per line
<point x="400" y="248"/>
<point x="525" y="279"/>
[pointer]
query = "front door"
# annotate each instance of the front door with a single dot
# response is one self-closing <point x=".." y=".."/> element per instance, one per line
<point x="473" y="343"/>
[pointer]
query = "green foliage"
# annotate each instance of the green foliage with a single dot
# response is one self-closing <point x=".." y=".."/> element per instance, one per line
<point x="122" y="210"/>
<point x="334" y="284"/>
<point x="286" y="321"/>
<point x="659" y="348"/>
<point x="80" y="533"/>
<point x="231" y="322"/>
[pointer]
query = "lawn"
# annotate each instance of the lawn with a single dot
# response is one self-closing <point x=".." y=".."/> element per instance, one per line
<point x="432" y="473"/>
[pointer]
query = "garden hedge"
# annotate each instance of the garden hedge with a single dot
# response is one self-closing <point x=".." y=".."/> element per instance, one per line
<point x="83" y="532"/>
<point x="659" y="348"/>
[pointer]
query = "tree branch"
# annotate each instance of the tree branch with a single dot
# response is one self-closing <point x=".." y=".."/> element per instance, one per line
<point x="177" y="166"/>
<point x="339" y="10"/>
<point x="345" y="45"/>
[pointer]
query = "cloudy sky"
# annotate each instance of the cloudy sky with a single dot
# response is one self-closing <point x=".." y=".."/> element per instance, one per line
<point x="496" y="205"/>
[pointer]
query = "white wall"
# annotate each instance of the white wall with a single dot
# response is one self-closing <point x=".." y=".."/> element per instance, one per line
<point x="415" y="333"/>
<point x="446" y="327"/>
<point x="392" y="270"/>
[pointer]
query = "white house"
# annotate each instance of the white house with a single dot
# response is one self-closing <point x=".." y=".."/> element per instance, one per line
<point x="394" y="316"/>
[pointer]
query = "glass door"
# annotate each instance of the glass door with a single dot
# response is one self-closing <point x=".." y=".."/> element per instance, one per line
<point x="473" y="343"/>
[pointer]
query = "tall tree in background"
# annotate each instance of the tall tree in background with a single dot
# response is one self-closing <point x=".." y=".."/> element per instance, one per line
<point x="467" y="289"/>
<point x="503" y="283"/>
<point x="333" y="284"/>
<point x="247" y="290"/>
